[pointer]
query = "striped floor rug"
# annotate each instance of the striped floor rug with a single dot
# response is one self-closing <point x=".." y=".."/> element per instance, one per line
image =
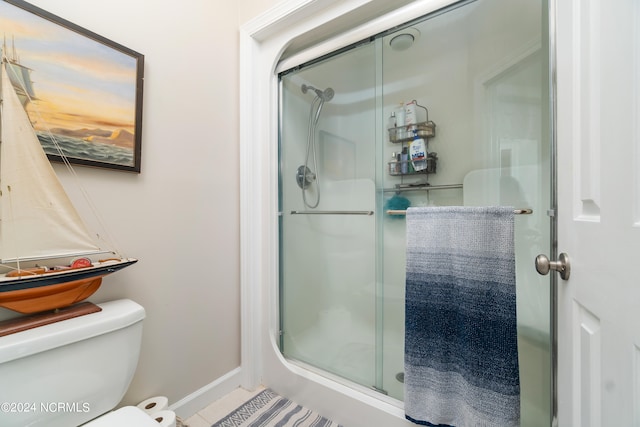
<point x="267" y="409"/>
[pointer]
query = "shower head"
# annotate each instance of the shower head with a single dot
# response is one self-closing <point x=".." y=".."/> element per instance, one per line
<point x="326" y="95"/>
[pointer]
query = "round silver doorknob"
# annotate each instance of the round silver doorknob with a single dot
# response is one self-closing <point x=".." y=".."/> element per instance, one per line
<point x="543" y="265"/>
<point x="562" y="266"/>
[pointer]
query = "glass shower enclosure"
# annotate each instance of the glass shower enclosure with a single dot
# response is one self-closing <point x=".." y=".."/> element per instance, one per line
<point x="472" y="81"/>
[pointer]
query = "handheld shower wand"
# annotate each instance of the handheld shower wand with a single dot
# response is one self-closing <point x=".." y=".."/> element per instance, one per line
<point x="304" y="175"/>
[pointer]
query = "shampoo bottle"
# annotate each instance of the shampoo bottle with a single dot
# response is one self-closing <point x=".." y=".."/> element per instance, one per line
<point x="392" y="121"/>
<point x="404" y="161"/>
<point x="400" y="116"/>
<point x="394" y="165"/>
<point x="418" y="153"/>
<point x="410" y="118"/>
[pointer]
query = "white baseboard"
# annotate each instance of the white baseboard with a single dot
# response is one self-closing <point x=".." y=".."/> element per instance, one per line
<point x="200" y="399"/>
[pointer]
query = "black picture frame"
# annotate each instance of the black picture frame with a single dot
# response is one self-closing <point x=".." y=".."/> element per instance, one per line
<point x="91" y="105"/>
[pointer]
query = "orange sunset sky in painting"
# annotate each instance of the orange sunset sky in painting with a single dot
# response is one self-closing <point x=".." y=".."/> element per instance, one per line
<point x="79" y="83"/>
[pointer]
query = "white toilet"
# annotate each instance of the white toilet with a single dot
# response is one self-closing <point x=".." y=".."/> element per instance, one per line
<point x="73" y="371"/>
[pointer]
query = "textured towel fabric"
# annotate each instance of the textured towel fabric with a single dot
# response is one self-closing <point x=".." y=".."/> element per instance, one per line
<point x="268" y="409"/>
<point x="461" y="353"/>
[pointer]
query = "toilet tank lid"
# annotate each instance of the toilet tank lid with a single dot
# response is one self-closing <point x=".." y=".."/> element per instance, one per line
<point x="114" y="315"/>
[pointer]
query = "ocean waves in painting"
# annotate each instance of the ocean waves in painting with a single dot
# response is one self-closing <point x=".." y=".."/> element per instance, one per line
<point x="74" y="148"/>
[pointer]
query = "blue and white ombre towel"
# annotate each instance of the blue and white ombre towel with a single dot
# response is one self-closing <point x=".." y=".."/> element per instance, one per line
<point x="461" y="349"/>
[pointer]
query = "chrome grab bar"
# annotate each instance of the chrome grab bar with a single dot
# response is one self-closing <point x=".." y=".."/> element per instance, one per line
<point x="332" y="212"/>
<point x="420" y="187"/>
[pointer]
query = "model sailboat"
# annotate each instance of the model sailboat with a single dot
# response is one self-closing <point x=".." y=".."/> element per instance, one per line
<point x="48" y="258"/>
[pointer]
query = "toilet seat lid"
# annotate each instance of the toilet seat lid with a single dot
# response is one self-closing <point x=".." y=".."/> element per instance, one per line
<point x="125" y="416"/>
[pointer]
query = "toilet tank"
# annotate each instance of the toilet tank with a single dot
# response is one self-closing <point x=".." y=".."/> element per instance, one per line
<point x="67" y="373"/>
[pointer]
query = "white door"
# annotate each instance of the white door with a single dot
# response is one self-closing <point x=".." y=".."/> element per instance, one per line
<point x="598" y="133"/>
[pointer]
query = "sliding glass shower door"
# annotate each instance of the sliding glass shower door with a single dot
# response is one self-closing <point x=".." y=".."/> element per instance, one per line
<point x="328" y="228"/>
<point x="475" y="79"/>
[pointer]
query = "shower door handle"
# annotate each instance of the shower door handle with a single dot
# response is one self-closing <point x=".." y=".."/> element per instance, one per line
<point x="562" y="266"/>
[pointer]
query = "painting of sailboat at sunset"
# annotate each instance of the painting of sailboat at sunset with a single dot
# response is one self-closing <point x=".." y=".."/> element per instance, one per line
<point x="81" y="91"/>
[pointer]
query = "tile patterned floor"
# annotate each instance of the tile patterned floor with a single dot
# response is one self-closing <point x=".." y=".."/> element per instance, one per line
<point x="221" y="407"/>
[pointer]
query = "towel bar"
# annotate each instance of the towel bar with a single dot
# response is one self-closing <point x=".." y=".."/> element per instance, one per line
<point x="522" y="211"/>
<point x="389" y="212"/>
<point x="515" y="212"/>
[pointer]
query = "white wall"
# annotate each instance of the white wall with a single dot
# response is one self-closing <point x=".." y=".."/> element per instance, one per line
<point x="180" y="216"/>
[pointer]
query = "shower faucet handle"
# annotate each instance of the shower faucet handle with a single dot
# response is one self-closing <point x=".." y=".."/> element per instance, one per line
<point x="562" y="266"/>
<point x="304" y="176"/>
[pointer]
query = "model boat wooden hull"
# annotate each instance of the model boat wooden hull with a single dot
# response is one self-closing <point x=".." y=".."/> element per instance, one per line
<point x="49" y="291"/>
<point x="35" y="300"/>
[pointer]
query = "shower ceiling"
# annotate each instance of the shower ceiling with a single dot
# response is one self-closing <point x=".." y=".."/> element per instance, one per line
<point x="335" y="27"/>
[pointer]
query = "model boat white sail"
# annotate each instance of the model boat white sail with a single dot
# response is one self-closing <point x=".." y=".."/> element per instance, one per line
<point x="41" y="233"/>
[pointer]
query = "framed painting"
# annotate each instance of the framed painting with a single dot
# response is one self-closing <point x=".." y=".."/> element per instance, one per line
<point x="82" y="92"/>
